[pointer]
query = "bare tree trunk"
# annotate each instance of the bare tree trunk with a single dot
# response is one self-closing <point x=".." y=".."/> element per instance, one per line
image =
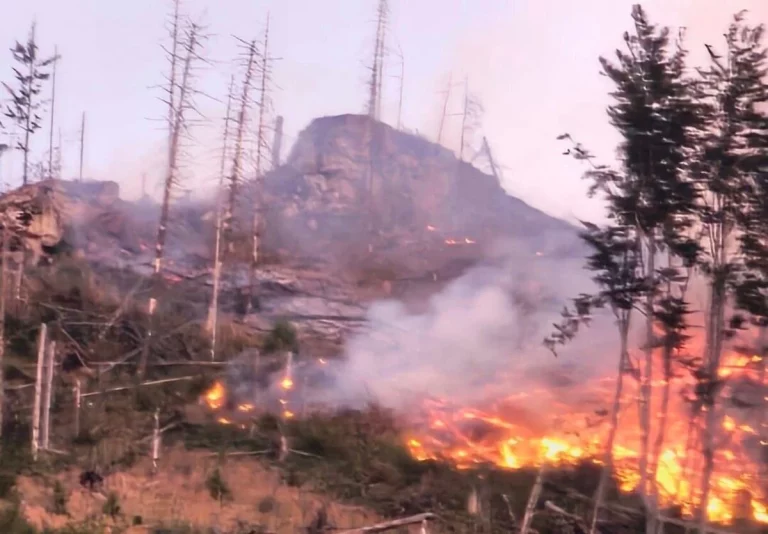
<point x="258" y="200"/>
<point x="82" y="146"/>
<point x="38" y="390"/>
<point x="213" y="309"/>
<point x="172" y="80"/>
<point x="713" y="351"/>
<point x="445" y="109"/>
<point x="156" y="441"/>
<point x="533" y="500"/>
<point x="277" y="142"/>
<point x="375" y="84"/>
<point x="77" y="394"/>
<point x="241" y="122"/>
<point x="49" y="368"/>
<point x="3" y="296"/>
<point x="464" y="119"/>
<point x="53" y="109"/>
<point x="646" y="381"/>
<point x="171" y="180"/>
<point x="607" y="469"/>
<point x="400" y="97"/>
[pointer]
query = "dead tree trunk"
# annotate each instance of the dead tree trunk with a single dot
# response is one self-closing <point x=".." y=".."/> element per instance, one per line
<point x="3" y="296"/>
<point x="374" y="84"/>
<point x="241" y="123"/>
<point x="53" y="109"/>
<point x="445" y="109"/>
<point x="464" y="119"/>
<point x="82" y="147"/>
<point x="213" y="309"/>
<point x="49" y="369"/>
<point x="258" y="201"/>
<point x="533" y="499"/>
<point x="277" y="142"/>
<point x="172" y="86"/>
<point x="41" y="342"/>
<point x="646" y="381"/>
<point x="77" y="394"/>
<point x="171" y="180"/>
<point x="624" y="323"/>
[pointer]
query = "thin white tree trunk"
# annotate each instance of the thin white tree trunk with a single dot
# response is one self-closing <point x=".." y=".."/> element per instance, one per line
<point x="257" y="222"/>
<point x="533" y="500"/>
<point x="41" y="342"/>
<point x="3" y="296"/>
<point x="156" y="441"/>
<point x="49" y="368"/>
<point x="171" y="180"/>
<point x="213" y="309"/>
<point x="77" y="394"/>
<point x="646" y="382"/>
<point x="614" y="423"/>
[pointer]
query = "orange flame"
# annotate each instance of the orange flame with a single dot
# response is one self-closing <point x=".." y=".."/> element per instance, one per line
<point x="214" y="397"/>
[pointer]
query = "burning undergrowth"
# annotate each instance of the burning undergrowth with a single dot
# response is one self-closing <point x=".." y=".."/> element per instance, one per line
<point x="472" y="384"/>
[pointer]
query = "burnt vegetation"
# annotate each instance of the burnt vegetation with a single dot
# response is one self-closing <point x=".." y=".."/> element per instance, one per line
<point x="106" y="367"/>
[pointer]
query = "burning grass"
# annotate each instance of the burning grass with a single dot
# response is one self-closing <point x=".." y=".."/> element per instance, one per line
<point x="360" y="457"/>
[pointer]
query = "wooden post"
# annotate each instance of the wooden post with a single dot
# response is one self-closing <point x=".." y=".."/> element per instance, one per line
<point x="38" y="387"/>
<point x="78" y="397"/>
<point x="51" y="362"/>
<point x="156" y="442"/>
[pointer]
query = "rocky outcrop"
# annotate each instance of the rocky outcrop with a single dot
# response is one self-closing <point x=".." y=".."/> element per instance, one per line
<point x="348" y="174"/>
<point x="60" y="213"/>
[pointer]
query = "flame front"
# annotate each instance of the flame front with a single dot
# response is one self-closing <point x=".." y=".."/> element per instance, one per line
<point x="468" y="437"/>
<point x="498" y="435"/>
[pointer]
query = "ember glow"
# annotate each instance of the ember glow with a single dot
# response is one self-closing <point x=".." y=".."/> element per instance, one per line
<point x="506" y="434"/>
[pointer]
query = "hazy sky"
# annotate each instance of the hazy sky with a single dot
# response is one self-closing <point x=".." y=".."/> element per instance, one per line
<point x="532" y="63"/>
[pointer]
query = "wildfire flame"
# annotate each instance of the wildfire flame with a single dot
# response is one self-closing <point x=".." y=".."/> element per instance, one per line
<point x="498" y="435"/>
<point x="215" y="396"/>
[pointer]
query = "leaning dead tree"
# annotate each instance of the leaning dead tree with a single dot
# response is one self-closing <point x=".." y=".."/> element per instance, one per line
<point x="250" y="57"/>
<point x="184" y="105"/>
<point x="213" y="309"/>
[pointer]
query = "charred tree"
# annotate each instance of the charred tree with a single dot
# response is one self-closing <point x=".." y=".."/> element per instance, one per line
<point x="53" y="111"/>
<point x="3" y="296"/>
<point x="26" y="102"/>
<point x="375" y="85"/>
<point x="191" y="47"/>
<point x="257" y="224"/>
<point x="251" y="57"/>
<point x="82" y="147"/>
<point x="277" y="142"/>
<point x="213" y="310"/>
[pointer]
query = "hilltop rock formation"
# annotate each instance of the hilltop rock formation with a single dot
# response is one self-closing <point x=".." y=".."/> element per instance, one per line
<point x="352" y="180"/>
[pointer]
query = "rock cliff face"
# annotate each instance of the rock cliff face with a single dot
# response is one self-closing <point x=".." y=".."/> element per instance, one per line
<point x="350" y="179"/>
<point x="83" y="215"/>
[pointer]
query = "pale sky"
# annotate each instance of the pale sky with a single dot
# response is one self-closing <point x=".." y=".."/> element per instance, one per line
<point x="532" y="63"/>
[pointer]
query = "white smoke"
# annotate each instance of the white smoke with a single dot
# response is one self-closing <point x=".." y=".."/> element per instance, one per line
<point x="480" y="337"/>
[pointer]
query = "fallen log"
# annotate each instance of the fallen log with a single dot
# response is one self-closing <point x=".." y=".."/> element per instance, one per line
<point x="395" y="523"/>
